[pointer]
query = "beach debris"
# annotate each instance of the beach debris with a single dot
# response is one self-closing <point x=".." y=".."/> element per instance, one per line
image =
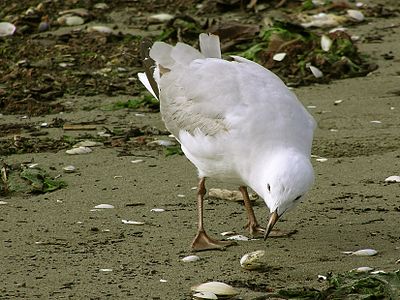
<point x="321" y="278"/>
<point x="3" y="202"/>
<point x="228" y="233"/>
<point x="161" y="18"/>
<point x="362" y="252"/>
<point x="363" y="269"/>
<point x="6" y="29"/>
<point x="393" y="178"/>
<point x="322" y="20"/>
<point x="315" y="71"/>
<point x="101" y="5"/>
<point x="87" y="143"/>
<point x="78" y="150"/>
<point x="104" y="206"/>
<point x="130" y="222"/>
<point x="279" y="56"/>
<point x="238" y="237"/>
<point x="157" y="209"/>
<point x="136" y="161"/>
<point x="252" y="260"/>
<point x="190" y="258"/>
<point x="100" y="28"/>
<point x="165" y="143"/>
<point x="69" y="169"/>
<point x="355" y="15"/>
<point x="229" y="195"/>
<point x="205" y="295"/>
<point x="376" y="122"/>
<point x="326" y="43"/>
<point x="71" y="20"/>
<point x="105" y="270"/>
<point x="220" y="289"/>
<point x="163" y="280"/>
<point x="321" y="159"/>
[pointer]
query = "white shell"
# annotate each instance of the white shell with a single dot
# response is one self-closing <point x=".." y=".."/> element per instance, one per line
<point x="228" y="233"/>
<point x="136" y="161"/>
<point x="102" y="206"/>
<point x="322" y="277"/>
<point x="205" y="295"/>
<point x="132" y="222"/>
<point x="69" y="169"/>
<point x="252" y="260"/>
<point x="6" y="29"/>
<point x="376" y="122"/>
<point x="101" y="5"/>
<point x="363" y="269"/>
<point x="365" y="252"/>
<point x="355" y="15"/>
<point x="157" y="209"/>
<point x="190" y="258"/>
<point x="105" y="270"/>
<point x="216" y="287"/>
<point x="326" y="43"/>
<point x="165" y="143"/>
<point x="321" y="159"/>
<point x="161" y="17"/>
<point x="3" y="202"/>
<point x="279" y="56"/>
<point x="74" y="20"/>
<point x="393" y="178"/>
<point x="338" y="101"/>
<point x="100" y="28"/>
<point x="238" y="237"/>
<point x="79" y="150"/>
<point x="378" y="272"/>
<point x="316" y="72"/>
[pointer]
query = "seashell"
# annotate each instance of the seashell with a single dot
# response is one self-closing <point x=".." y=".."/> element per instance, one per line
<point x="321" y="159"/>
<point x="316" y="72"/>
<point x="279" y="56"/>
<point x="101" y="5"/>
<point x="79" y="150"/>
<point x="69" y="169"/>
<point x="163" y="280"/>
<point x="228" y="233"/>
<point x="129" y="222"/>
<point x="378" y="272"/>
<point x="190" y="258"/>
<point x="322" y="277"/>
<point x="355" y="15"/>
<point x="398" y="261"/>
<point x="6" y="29"/>
<point x="33" y="166"/>
<point x="74" y="21"/>
<point x="181" y="196"/>
<point x="362" y="252"/>
<point x="165" y="143"/>
<point x="162" y="17"/>
<point x="99" y="28"/>
<point x="238" y="237"/>
<point x="323" y="20"/>
<point x="363" y="269"/>
<point x="326" y="43"/>
<point x="216" y="287"/>
<point x="338" y="101"/>
<point x="376" y="122"/>
<point x="3" y="202"/>
<point x="136" y="161"/>
<point x="157" y="209"/>
<point x="393" y="178"/>
<point x="252" y="260"/>
<point x="205" y="295"/>
<point x="103" y="206"/>
<point x="105" y="270"/>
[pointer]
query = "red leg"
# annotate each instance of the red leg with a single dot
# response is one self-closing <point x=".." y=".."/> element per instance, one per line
<point x="202" y="241"/>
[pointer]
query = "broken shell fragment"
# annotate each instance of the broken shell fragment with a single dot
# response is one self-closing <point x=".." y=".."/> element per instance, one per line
<point x="316" y="72"/>
<point x="132" y="222"/>
<point x="6" y="29"/>
<point x="279" y="56"/>
<point x="79" y="150"/>
<point x="355" y="15"/>
<point x="205" y="295"/>
<point x="238" y="237"/>
<point x="363" y="269"/>
<point x="393" y="178"/>
<point x="73" y="20"/>
<point x="103" y="206"/>
<point x="99" y="28"/>
<point x="162" y="17"/>
<point x="362" y="252"/>
<point x="190" y="258"/>
<point x="69" y="169"/>
<point x="220" y="289"/>
<point x="252" y="260"/>
<point x="326" y="43"/>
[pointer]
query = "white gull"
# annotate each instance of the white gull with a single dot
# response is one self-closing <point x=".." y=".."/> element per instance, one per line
<point x="236" y="121"/>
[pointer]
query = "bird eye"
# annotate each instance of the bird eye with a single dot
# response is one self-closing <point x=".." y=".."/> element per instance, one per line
<point x="297" y="198"/>
<point x="269" y="187"/>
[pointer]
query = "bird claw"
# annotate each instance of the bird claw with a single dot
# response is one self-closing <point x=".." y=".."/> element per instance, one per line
<point x="203" y="242"/>
<point x="255" y="229"/>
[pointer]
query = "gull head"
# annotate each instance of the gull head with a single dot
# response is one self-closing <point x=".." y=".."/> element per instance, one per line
<point x="284" y="180"/>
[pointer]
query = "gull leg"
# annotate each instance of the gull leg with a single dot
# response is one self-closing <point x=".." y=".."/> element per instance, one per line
<point x="202" y="241"/>
<point x="252" y="224"/>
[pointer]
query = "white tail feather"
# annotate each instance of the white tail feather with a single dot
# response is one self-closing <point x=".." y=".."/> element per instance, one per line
<point x="209" y="45"/>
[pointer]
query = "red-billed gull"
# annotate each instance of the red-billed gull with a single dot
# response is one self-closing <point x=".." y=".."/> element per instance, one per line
<point x="236" y="121"/>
